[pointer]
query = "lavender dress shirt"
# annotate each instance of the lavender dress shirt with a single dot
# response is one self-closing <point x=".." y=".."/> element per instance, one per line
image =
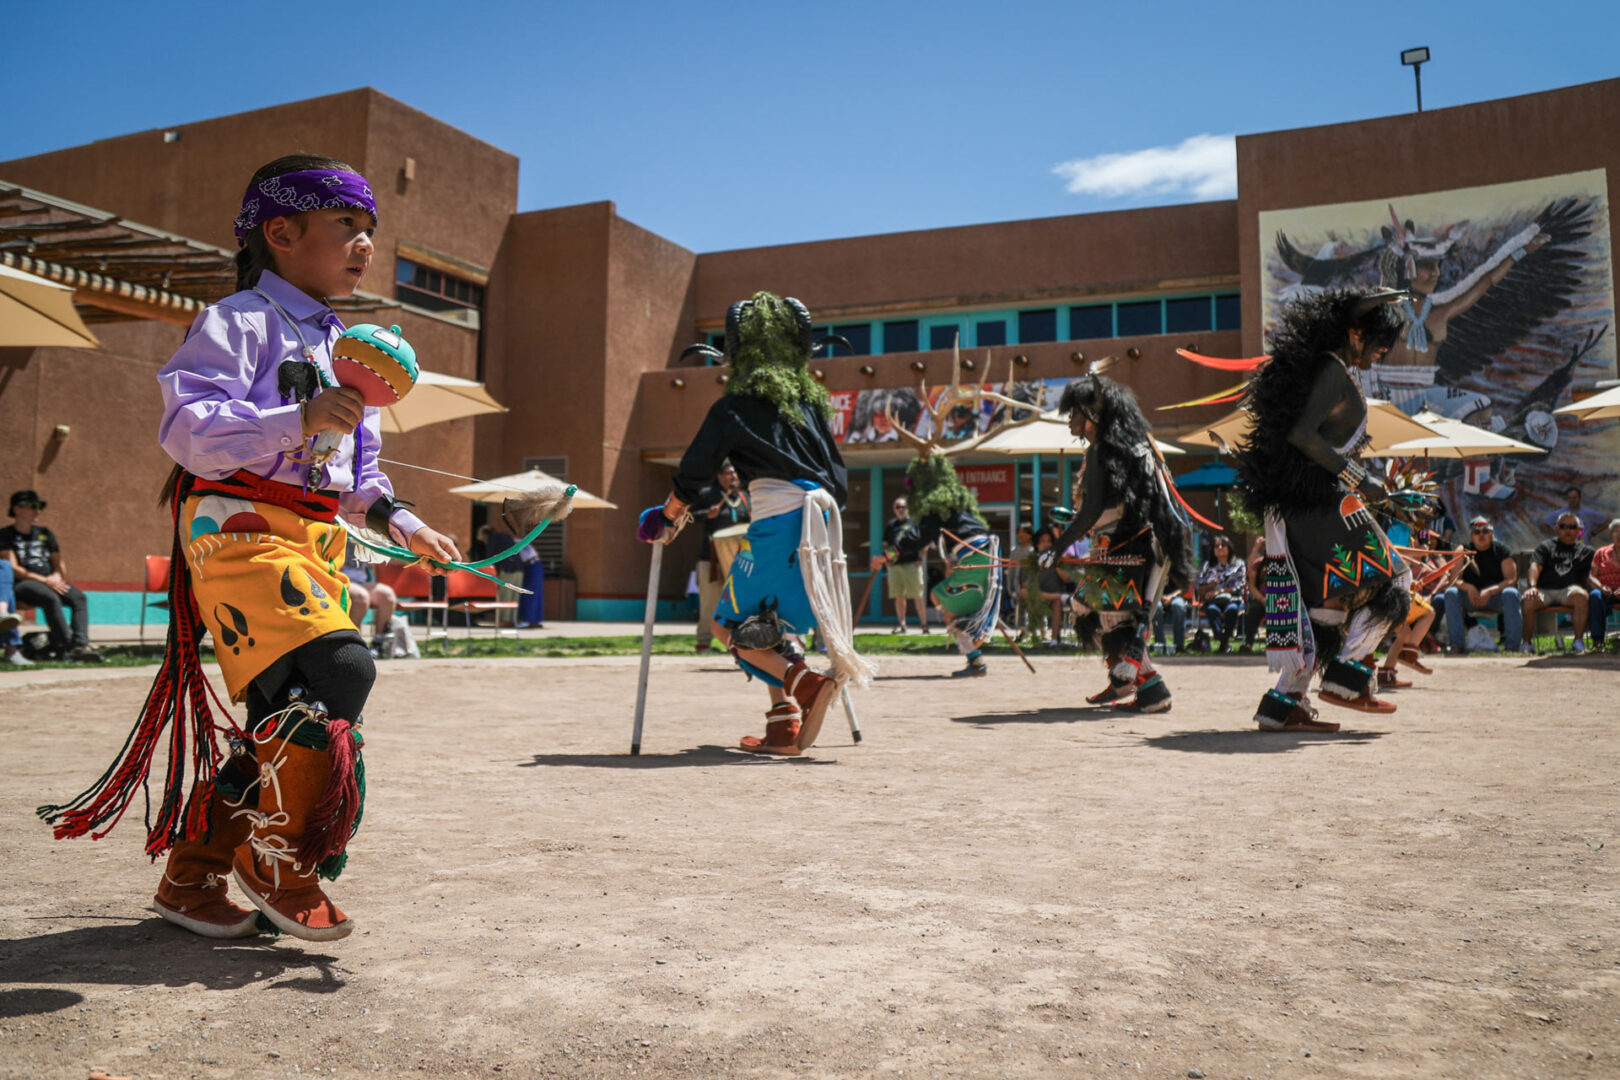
<point x="223" y="409"/>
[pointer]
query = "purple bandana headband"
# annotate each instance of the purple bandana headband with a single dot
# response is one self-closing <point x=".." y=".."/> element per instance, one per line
<point x="297" y="192"/>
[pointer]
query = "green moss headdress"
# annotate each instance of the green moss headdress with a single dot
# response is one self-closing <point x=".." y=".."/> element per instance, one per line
<point x="769" y="340"/>
<point x="936" y="490"/>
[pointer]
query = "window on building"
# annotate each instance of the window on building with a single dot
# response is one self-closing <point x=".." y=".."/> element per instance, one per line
<point x="1229" y="312"/>
<point x="1091" y="321"/>
<point x="900" y="336"/>
<point x="433" y="289"/>
<point x="1140" y="318"/>
<point x="943" y="337"/>
<point x="990" y="332"/>
<point x="859" y="336"/>
<point x="1037" y="325"/>
<point x="1187" y="315"/>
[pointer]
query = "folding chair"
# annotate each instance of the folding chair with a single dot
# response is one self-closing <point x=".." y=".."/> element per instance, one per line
<point x="413" y="586"/>
<point x="154" y="579"/>
<point x="471" y="594"/>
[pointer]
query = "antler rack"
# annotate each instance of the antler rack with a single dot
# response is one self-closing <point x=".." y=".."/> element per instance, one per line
<point x="956" y="394"/>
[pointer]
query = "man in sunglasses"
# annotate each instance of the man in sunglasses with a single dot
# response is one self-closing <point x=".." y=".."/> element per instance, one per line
<point x="1560" y="576"/>
<point x="41" y="577"/>
<point x="1489" y="583"/>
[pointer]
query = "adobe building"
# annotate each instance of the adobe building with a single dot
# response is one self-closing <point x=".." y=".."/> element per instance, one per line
<point x="576" y="318"/>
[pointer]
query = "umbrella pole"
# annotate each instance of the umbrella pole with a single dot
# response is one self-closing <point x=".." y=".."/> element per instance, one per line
<point x="646" y="644"/>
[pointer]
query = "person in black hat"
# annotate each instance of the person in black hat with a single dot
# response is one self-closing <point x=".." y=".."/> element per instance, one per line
<point x="41" y="577"/>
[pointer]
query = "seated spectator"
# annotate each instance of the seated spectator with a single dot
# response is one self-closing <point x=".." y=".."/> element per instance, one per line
<point x="1591" y="519"/>
<point x="1489" y="583"/>
<point x="1172" y="611"/>
<point x="41" y="577"/>
<point x="1560" y="573"/>
<point x="10" y="638"/>
<point x="1219" y="588"/>
<point x="1605" y="595"/>
<point x="366" y="593"/>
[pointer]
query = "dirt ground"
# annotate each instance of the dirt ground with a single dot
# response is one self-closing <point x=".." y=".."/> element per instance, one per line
<point x="997" y="882"/>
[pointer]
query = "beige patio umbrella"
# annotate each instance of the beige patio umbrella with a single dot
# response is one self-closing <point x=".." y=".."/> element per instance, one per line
<point x="436" y="398"/>
<point x="1385" y="423"/>
<point x="1454" y="439"/>
<point x="517" y="484"/>
<point x="1048" y="435"/>
<point x="1602" y="406"/>
<point x="35" y="313"/>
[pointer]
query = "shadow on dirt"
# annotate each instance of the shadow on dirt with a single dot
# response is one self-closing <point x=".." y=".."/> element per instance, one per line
<point x="699" y="756"/>
<point x="149" y="952"/>
<point x="1064" y="714"/>
<point x="1256" y="742"/>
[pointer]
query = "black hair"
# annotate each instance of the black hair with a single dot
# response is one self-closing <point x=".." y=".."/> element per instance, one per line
<point x="255" y="256"/>
<point x="1320" y="322"/>
<point x="1272" y="473"/>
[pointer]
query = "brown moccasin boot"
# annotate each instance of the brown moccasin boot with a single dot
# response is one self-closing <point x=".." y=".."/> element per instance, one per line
<point x="267" y="866"/>
<point x="192" y="893"/>
<point x="781" y="732"/>
<point x="813" y="693"/>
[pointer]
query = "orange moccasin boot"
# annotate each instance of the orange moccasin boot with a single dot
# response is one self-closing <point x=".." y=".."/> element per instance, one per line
<point x="192" y="893"/>
<point x="813" y="693"/>
<point x="781" y="732"/>
<point x="268" y="866"/>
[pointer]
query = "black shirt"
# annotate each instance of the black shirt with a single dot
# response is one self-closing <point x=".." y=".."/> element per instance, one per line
<point x="34" y="551"/>
<point x="892" y="534"/>
<point x="1562" y="565"/>
<point x="1486" y="569"/>
<point x="761" y="444"/>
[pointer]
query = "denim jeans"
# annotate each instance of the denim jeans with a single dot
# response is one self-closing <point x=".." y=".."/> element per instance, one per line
<point x="1223" y="616"/>
<point x="1177" y="616"/>
<point x="9" y="599"/>
<point x="1506" y="602"/>
<point x="1597" y="617"/>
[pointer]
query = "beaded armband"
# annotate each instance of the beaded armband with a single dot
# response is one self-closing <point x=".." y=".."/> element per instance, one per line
<point x="1353" y="475"/>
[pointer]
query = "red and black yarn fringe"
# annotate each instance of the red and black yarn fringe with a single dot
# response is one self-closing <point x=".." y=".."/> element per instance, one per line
<point x="179" y="701"/>
<point x="333" y="820"/>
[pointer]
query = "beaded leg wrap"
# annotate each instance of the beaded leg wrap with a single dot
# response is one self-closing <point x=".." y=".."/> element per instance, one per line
<point x="309" y="801"/>
<point x="193" y="892"/>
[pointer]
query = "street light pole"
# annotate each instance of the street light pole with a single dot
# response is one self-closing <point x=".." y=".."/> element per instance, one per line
<point x="1415" y="59"/>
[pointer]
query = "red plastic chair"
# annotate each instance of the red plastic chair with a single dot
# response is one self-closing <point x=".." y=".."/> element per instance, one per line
<point x="155" y="579"/>
<point x="470" y="594"/>
<point x="414" y="588"/>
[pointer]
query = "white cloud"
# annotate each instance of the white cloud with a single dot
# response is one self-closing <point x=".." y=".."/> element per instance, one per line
<point x="1204" y="167"/>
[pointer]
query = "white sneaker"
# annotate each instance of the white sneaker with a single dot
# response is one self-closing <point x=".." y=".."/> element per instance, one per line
<point x="9" y="622"/>
<point x="16" y="658"/>
<point x="1579" y="647"/>
<point x="1527" y="648"/>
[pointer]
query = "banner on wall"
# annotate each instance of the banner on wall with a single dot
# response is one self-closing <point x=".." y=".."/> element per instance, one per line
<point x="989" y="483"/>
<point x="1513" y="310"/>
<point x="877" y="411"/>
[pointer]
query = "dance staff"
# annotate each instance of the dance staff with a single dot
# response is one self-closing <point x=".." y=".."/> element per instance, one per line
<point x="1334" y="585"/>
<point x="259" y="547"/>
<point x="1126" y="496"/>
<point x="791" y="576"/>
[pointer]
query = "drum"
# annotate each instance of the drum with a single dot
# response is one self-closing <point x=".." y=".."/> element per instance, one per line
<point x="727" y="542"/>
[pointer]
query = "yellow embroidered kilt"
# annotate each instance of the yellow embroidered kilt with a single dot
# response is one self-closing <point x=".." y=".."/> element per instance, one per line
<point x="267" y="580"/>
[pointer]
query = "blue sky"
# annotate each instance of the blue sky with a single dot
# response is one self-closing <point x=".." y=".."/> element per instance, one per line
<point x="726" y="125"/>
